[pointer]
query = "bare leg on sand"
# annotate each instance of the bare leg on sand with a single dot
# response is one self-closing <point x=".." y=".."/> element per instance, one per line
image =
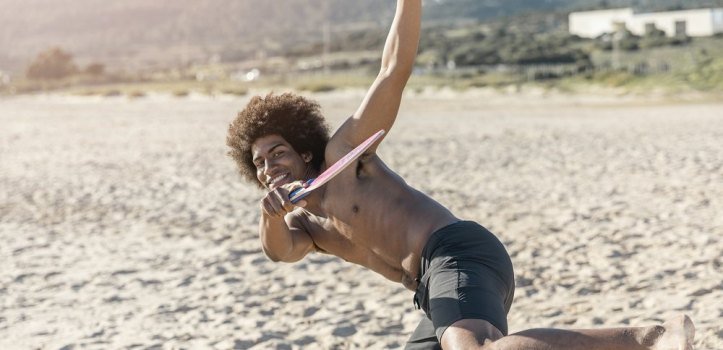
<point x="675" y="334"/>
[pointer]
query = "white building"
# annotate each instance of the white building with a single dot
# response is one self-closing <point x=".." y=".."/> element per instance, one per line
<point x="701" y="22"/>
<point x="591" y="24"/>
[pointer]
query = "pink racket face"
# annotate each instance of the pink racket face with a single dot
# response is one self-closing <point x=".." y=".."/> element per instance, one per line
<point x="348" y="158"/>
<point x="337" y="167"/>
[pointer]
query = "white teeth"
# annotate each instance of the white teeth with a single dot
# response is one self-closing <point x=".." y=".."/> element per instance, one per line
<point x="277" y="179"/>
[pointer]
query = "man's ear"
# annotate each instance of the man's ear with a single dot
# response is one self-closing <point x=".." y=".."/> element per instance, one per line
<point x="307" y="156"/>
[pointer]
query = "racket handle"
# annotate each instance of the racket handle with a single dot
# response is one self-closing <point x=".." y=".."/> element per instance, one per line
<point x="295" y="196"/>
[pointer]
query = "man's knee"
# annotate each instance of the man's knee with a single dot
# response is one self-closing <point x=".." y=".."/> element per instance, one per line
<point x="470" y="334"/>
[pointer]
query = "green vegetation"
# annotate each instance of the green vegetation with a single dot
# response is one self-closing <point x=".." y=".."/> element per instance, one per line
<point x="136" y="94"/>
<point x="112" y="93"/>
<point x="238" y="30"/>
<point x="512" y="51"/>
<point x="482" y="45"/>
<point x="236" y="91"/>
<point x="318" y="87"/>
<point x="180" y="93"/>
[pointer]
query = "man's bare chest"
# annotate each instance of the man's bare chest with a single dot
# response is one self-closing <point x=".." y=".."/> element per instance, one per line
<point x="355" y="207"/>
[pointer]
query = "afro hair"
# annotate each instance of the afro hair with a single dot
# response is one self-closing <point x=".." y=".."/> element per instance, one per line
<point x="295" y="118"/>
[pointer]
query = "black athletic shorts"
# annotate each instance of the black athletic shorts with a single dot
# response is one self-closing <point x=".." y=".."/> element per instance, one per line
<point x="466" y="273"/>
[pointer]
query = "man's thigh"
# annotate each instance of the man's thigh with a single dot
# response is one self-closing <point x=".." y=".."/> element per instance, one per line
<point x="469" y="276"/>
<point x="423" y="337"/>
<point x="469" y="334"/>
<point x="463" y="289"/>
<point x="461" y="334"/>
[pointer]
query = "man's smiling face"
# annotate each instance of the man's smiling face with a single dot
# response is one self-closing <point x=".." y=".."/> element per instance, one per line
<point x="276" y="162"/>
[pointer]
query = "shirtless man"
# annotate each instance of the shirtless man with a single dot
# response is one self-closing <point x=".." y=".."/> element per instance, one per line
<point x="461" y="274"/>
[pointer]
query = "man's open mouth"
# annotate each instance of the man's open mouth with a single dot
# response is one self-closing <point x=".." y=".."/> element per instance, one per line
<point x="277" y="180"/>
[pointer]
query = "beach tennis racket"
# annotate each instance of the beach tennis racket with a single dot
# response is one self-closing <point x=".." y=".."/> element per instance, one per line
<point x="335" y="169"/>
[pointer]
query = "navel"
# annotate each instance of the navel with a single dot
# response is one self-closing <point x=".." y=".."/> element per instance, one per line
<point x="355" y="208"/>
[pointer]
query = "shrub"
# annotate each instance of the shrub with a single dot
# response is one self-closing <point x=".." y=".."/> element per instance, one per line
<point x="52" y="64"/>
<point x="239" y="91"/>
<point x="317" y="87"/>
<point x="180" y="93"/>
<point x="136" y="94"/>
<point x="111" y="93"/>
<point x="95" y="69"/>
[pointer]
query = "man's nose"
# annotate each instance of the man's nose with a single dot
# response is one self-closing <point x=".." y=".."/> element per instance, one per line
<point x="269" y="166"/>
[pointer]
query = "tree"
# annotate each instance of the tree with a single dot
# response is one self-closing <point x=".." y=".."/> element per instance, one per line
<point x="52" y="64"/>
<point x="95" y="69"/>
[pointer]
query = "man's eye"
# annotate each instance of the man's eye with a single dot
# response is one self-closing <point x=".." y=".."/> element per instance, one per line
<point x="278" y="154"/>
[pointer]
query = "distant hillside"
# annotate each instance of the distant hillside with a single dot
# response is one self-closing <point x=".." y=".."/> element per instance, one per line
<point x="485" y="9"/>
<point x="167" y="31"/>
<point x="140" y="33"/>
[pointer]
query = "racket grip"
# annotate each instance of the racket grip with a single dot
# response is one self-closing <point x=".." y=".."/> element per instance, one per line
<point x="295" y="196"/>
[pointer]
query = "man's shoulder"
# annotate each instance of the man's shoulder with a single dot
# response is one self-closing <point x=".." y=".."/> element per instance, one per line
<point x="336" y="148"/>
<point x="335" y="152"/>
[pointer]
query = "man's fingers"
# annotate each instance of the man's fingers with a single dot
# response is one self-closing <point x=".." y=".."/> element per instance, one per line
<point x="278" y="207"/>
<point x="295" y="185"/>
<point x="277" y="202"/>
<point x="289" y="188"/>
<point x="282" y="202"/>
<point x="285" y="202"/>
<point x="272" y="206"/>
<point x="267" y="208"/>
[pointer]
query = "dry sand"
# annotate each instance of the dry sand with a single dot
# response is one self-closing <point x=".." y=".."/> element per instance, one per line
<point x="123" y="225"/>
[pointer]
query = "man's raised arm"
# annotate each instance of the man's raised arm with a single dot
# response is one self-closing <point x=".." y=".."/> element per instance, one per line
<point x="381" y="104"/>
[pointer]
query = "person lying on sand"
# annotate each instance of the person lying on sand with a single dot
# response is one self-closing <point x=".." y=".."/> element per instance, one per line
<point x="460" y="273"/>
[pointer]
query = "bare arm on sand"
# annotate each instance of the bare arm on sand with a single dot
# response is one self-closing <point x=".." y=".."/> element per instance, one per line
<point x="381" y="104"/>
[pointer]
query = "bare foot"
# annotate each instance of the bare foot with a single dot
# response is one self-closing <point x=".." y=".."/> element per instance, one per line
<point x="677" y="334"/>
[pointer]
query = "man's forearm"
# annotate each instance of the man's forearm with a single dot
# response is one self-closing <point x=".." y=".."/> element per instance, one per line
<point x="400" y="49"/>
<point x="381" y="104"/>
<point x="277" y="241"/>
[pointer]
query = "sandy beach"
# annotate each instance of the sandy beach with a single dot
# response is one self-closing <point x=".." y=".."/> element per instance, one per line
<point x="124" y="225"/>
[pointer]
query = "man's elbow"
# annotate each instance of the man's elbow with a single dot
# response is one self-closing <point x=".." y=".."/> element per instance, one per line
<point x="271" y="255"/>
<point x="396" y="73"/>
<point x="287" y="258"/>
<point x="273" y="258"/>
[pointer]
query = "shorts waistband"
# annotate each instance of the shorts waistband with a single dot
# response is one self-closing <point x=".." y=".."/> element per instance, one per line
<point x="433" y="242"/>
<point x="435" y="237"/>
